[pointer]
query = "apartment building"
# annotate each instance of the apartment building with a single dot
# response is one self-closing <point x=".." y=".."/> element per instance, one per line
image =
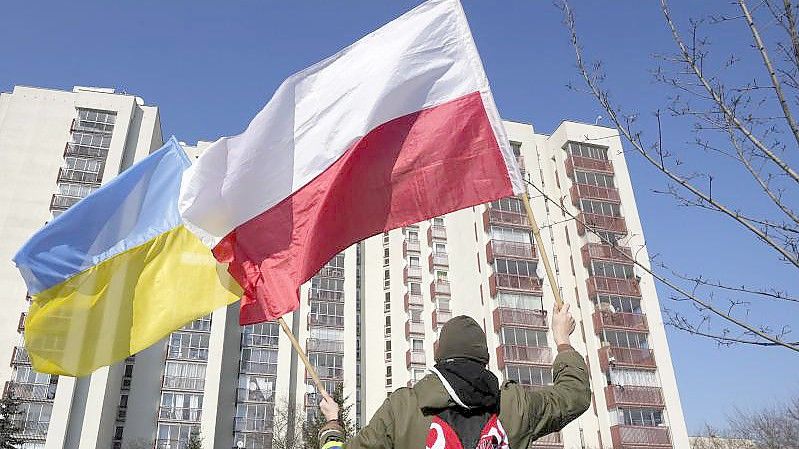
<point x="369" y="320"/>
<point x="57" y="147"/>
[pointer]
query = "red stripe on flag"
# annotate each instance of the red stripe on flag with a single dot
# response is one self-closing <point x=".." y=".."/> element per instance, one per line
<point x="407" y="170"/>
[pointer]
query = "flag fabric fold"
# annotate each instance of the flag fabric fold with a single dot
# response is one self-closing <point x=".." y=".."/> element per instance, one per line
<point x="118" y="271"/>
<point x="397" y="128"/>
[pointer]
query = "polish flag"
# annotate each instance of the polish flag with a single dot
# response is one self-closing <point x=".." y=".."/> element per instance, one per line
<point x="397" y="128"/>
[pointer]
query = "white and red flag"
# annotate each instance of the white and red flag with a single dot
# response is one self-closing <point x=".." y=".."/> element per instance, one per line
<point x="397" y="128"/>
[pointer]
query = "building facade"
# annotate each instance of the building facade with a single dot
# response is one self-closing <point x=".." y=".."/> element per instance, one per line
<point x="369" y="320"/>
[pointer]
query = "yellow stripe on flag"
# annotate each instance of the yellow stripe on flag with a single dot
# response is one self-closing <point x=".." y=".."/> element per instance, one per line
<point x="125" y="304"/>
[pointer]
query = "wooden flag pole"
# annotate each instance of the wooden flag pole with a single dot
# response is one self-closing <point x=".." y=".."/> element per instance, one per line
<point x="540" y="244"/>
<point x="298" y="348"/>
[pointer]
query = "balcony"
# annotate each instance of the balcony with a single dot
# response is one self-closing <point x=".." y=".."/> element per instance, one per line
<point x="412" y="272"/>
<point x="30" y="391"/>
<point x="502" y="248"/>
<point x="587" y="191"/>
<point x="436" y="232"/>
<point x="611" y="253"/>
<point x="69" y="175"/>
<point x="441" y="316"/>
<point x="499" y="281"/>
<point x="243" y="424"/>
<point x="604" y="319"/>
<point x="179" y="414"/>
<point x="34" y="430"/>
<point x="439" y="288"/>
<point x="60" y="202"/>
<point x="413" y="300"/>
<point x="600" y="223"/>
<point x="320" y="345"/>
<point x="505" y="218"/>
<point x="411" y="246"/>
<point x="600" y="285"/>
<point x="20" y="356"/>
<point x="122" y="413"/>
<point x="626" y="358"/>
<point x="415" y="358"/>
<point x="520" y="317"/>
<point x="635" y="437"/>
<point x="74" y="149"/>
<point x="551" y="441"/>
<point x="633" y="396"/>
<point x="530" y="355"/>
<point x="315" y="294"/>
<point x="414" y="328"/>
<point x="183" y="383"/>
<point x="331" y="272"/>
<point x="21" y="324"/>
<point x="255" y="395"/>
<point x="440" y="260"/>
<point x="326" y="320"/>
<point x="587" y="163"/>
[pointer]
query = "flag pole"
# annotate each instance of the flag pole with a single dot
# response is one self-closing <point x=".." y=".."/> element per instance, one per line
<point x="303" y="357"/>
<point x="553" y="283"/>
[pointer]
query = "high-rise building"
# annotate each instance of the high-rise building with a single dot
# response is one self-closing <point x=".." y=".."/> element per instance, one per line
<point x="369" y="320"/>
<point x="58" y="147"/>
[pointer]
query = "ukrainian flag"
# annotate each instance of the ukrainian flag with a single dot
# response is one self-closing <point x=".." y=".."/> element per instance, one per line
<point x="118" y="271"/>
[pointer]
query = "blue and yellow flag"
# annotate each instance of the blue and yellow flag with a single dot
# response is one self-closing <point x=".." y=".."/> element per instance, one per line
<point x="118" y="271"/>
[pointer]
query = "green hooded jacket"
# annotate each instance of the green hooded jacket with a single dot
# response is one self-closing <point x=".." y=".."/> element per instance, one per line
<point x="525" y="414"/>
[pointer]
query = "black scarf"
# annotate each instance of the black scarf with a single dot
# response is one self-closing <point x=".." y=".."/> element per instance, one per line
<point x="476" y="386"/>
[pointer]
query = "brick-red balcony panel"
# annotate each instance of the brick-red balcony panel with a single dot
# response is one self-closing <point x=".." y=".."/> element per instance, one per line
<point x="439" y="288"/>
<point x="411" y="245"/>
<point x="505" y="316"/>
<point x="587" y="191"/>
<point x="601" y="251"/>
<point x="436" y="232"/>
<point x="412" y="272"/>
<point x="413" y="300"/>
<point x="600" y="223"/>
<point x="512" y="282"/>
<point x="587" y="163"/>
<point x="639" y="437"/>
<point x="633" y="396"/>
<point x="523" y="354"/>
<point x="502" y="248"/>
<point x="438" y="260"/>
<point x="605" y="319"/>
<point x="414" y="328"/>
<point x="414" y="358"/>
<point x="550" y="441"/>
<point x="600" y="285"/>
<point x="504" y="218"/>
<point x="441" y="316"/>
<point x="626" y="357"/>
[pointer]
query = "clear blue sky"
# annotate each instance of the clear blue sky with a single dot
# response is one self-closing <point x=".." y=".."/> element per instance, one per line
<point x="211" y="66"/>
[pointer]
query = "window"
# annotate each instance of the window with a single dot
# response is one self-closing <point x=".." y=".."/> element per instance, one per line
<point x="415" y="288"/>
<point x="510" y="235"/>
<point x="612" y="270"/>
<point x="184" y="375"/>
<point x="621" y="376"/>
<point x="25" y="374"/>
<point x="413" y="236"/>
<point x="440" y="248"/>
<point x="388" y="345"/>
<point x="327" y="333"/>
<point x="170" y="433"/>
<point x="417" y="345"/>
<point x="594" y="179"/>
<point x="327" y="284"/>
<point x="608" y="237"/>
<point x="188" y="345"/>
<point x="330" y="366"/>
<point x="388" y="375"/>
<point x="443" y="304"/>
<point x="600" y="208"/>
<point x="327" y="313"/>
<point x="625" y="304"/>
<point x="413" y="261"/>
<point x="256" y="388"/>
<point x="387" y="329"/>
<point x="624" y="339"/>
<point x="75" y="190"/>
<point x="519" y="301"/>
<point x="259" y="360"/>
<point x="83" y="164"/>
<point x="523" y="337"/>
<point x="180" y="406"/>
<point x="415" y="315"/>
<point x="261" y="334"/>
<point x="529" y="375"/>
<point x="438" y="221"/>
<point x="96" y="120"/>
<point x="254" y="417"/>
<point x="336" y="262"/>
<point x="441" y="276"/>
<point x="386" y="278"/>
<point x="587" y="150"/>
<point x="386" y="259"/>
<point x="387" y="302"/>
<point x="642" y="417"/>
<point x="516" y="147"/>
<point x="515" y="267"/>
<point x="509" y="204"/>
